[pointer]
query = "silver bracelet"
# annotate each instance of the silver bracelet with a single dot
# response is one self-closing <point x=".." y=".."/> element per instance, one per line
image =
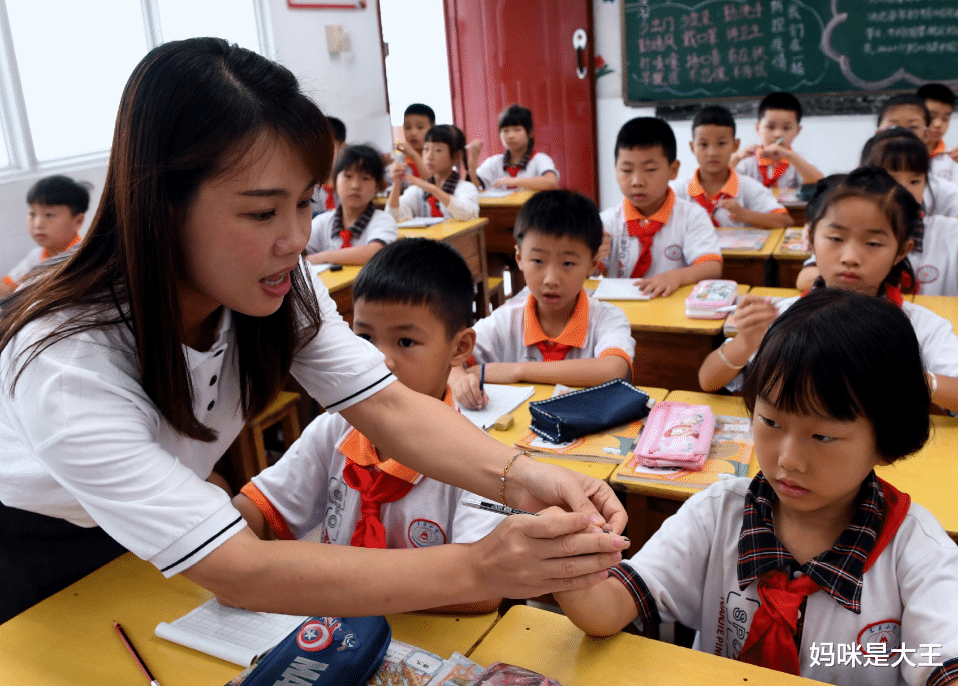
<point x="736" y="367"/>
<point x="934" y="383"/>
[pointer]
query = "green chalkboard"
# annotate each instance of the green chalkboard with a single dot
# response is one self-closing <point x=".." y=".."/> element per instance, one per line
<point x="675" y="51"/>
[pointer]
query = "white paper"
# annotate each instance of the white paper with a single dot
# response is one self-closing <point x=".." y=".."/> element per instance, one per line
<point x="503" y="399"/>
<point x="419" y="222"/>
<point x="496" y="192"/>
<point x="317" y="269"/>
<point x="619" y="289"/>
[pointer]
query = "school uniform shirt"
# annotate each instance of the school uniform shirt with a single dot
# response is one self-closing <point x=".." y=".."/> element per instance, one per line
<point x="936" y="264"/>
<point x="414" y="203"/>
<point x="512" y="333"/>
<point x="749" y="193"/>
<point x="491" y="169"/>
<point x="687" y="237"/>
<point x="780" y="173"/>
<point x="324" y="198"/>
<point x="381" y="228"/>
<point x="701" y="568"/>
<point x="81" y="440"/>
<point x="942" y="165"/>
<point x="940" y="197"/>
<point x="33" y="259"/>
<point x="305" y="489"/>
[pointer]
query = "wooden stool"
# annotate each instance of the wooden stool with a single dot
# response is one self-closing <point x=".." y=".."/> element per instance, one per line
<point x="497" y="292"/>
<point x="248" y="452"/>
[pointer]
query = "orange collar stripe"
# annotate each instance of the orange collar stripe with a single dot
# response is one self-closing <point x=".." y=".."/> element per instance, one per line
<point x="575" y="329"/>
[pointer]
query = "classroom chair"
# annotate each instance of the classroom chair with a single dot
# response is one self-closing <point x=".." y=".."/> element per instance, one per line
<point x="247" y="455"/>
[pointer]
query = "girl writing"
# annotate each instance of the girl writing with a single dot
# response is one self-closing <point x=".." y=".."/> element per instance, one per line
<point x="521" y="166"/>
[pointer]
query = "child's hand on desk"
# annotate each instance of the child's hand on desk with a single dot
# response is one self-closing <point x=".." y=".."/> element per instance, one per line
<point x="660" y="285"/>
<point x="505" y="181"/>
<point x="735" y="211"/>
<point x="466" y="391"/>
<point x="753" y="316"/>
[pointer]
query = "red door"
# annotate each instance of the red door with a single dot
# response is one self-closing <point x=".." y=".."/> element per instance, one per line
<point x="537" y="53"/>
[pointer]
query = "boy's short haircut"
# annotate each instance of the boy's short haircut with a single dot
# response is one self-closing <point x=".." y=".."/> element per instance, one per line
<point x="781" y="100"/>
<point x="901" y="101"/>
<point x="339" y="129"/>
<point x="938" y="92"/>
<point x="60" y="190"/>
<point x="646" y="132"/>
<point x="560" y="213"/>
<point x="714" y="115"/>
<point x="831" y="353"/>
<point x="421" y="110"/>
<point x="423" y="272"/>
<point x="516" y="115"/>
<point x="363" y="158"/>
<point x="896" y="149"/>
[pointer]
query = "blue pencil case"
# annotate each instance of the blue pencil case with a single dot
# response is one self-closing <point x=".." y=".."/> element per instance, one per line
<point x="587" y="411"/>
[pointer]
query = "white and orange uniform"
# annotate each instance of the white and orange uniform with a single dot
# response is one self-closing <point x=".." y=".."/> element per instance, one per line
<point x="31" y="262"/>
<point x="749" y="193"/>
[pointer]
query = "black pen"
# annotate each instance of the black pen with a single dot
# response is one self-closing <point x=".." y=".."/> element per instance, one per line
<point x="488" y="506"/>
<point x="482" y="381"/>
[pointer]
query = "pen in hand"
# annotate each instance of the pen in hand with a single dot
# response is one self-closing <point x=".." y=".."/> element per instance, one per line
<point x="488" y="506"/>
<point x="482" y="376"/>
<point x="136" y="656"/>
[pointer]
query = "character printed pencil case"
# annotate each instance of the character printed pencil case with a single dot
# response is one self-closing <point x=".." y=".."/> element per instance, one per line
<point x="676" y="435"/>
<point x="709" y="298"/>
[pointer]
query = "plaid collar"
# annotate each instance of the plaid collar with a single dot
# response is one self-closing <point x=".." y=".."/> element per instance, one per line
<point x="838" y="571"/>
<point x="357" y="227"/>
<point x="522" y="163"/>
<point x="450" y="184"/>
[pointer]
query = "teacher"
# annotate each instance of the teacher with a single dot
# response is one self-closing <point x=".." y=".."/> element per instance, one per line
<point x="128" y="369"/>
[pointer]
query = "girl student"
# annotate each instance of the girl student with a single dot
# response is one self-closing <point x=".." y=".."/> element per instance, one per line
<point x="521" y="166"/>
<point x="128" y="369"/>
<point x="446" y="193"/>
<point x="861" y="236"/>
<point x="815" y="553"/>
<point x="355" y="230"/>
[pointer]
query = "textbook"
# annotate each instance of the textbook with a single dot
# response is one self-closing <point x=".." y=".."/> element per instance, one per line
<point x="421" y="222"/>
<point x="794" y="242"/>
<point x="619" y="289"/>
<point x="742" y="239"/>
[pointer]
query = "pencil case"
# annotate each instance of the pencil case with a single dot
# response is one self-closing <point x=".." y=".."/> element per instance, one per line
<point x="324" y="650"/>
<point x="708" y="296"/>
<point x="676" y="435"/>
<point x="505" y="674"/>
<point x="568" y="416"/>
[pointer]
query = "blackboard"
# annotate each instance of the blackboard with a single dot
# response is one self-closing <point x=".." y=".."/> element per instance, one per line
<point x="686" y="51"/>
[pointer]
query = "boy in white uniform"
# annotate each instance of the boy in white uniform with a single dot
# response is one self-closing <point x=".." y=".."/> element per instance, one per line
<point x="413" y="301"/>
<point x="558" y="334"/>
<point x="662" y="240"/>
<point x="522" y="166"/>
<point x="729" y="198"/>
<point x="940" y="101"/>
<point x="816" y="567"/>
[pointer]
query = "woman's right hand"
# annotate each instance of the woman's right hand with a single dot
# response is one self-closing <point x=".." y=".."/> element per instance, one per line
<point x="527" y="556"/>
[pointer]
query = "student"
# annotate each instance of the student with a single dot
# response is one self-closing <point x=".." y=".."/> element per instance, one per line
<point x="773" y="162"/>
<point x="558" y="334"/>
<point x="815" y="553"/>
<point x="56" y="209"/>
<point x="730" y="199"/>
<point x="324" y="197"/>
<point x="446" y="193"/>
<point x="940" y="102"/>
<point x="663" y="241"/>
<point x="521" y="166"/>
<point x="861" y="236"/>
<point x="413" y="301"/>
<point x="356" y="230"/>
<point x="182" y="313"/>
<point x="416" y="122"/>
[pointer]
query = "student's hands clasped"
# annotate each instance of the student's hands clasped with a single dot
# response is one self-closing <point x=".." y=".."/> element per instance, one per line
<point x="735" y="211"/>
<point x="661" y="285"/>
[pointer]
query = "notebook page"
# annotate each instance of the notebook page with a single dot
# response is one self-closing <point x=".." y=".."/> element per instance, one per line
<point x="619" y="289"/>
<point x="503" y="399"/>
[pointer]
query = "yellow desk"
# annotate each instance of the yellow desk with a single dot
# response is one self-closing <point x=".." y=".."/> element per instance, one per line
<point x="340" y="286"/>
<point x="600" y="470"/>
<point x="69" y="637"/>
<point x="788" y="259"/>
<point x="748" y="266"/>
<point x="469" y="238"/>
<point x="669" y="347"/>
<point x="550" y="644"/>
<point x="942" y="305"/>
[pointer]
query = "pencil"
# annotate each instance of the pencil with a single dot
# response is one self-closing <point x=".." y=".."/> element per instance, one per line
<point x="136" y="656"/>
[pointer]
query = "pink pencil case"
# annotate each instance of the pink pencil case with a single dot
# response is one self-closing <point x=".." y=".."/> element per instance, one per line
<point x="676" y="435"/>
<point x="708" y="297"/>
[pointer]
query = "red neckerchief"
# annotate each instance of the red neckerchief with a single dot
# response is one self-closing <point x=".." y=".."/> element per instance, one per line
<point x="449" y="186"/>
<point x="644" y="228"/>
<point x="891" y="292"/>
<point x="940" y="149"/>
<point x="702" y="197"/>
<point x="330" y="196"/>
<point x="357" y="227"/>
<point x="553" y="352"/>
<point x="45" y="254"/>
<point x="514" y="169"/>
<point x="771" y="638"/>
<point x="778" y="168"/>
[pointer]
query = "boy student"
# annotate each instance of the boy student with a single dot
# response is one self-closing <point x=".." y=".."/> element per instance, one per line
<point x="56" y="208"/>
<point x="521" y="166"/>
<point x="940" y="101"/>
<point x="773" y="162"/>
<point x="413" y="301"/>
<point x="663" y="241"/>
<point x="416" y="121"/>
<point x="558" y="334"/>
<point x="324" y="197"/>
<point x="730" y="199"/>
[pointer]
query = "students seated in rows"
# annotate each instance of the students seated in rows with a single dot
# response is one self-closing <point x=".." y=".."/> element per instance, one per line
<point x="816" y="554"/>
<point x="773" y="161"/>
<point x="558" y="334"/>
<point x="861" y="237"/>
<point x="446" y="193"/>
<point x="940" y="102"/>
<point x="324" y="197"/>
<point x="413" y="301"/>
<point x="521" y="166"/>
<point x="909" y="112"/>
<point x="356" y="230"/>
<point x="730" y="198"/>
<point x="416" y="122"/>
<point x="654" y="236"/>
<point x="56" y="207"/>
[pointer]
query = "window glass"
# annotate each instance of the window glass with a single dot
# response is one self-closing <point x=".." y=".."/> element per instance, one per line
<point x="233" y="20"/>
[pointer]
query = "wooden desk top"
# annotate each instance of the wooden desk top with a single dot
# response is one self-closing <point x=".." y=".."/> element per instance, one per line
<point x="550" y="644"/>
<point x="444" y="229"/>
<point x="767" y="292"/>
<point x="515" y="199"/>
<point x="69" y="637"/>
<point x="338" y="280"/>
<point x="771" y="242"/>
